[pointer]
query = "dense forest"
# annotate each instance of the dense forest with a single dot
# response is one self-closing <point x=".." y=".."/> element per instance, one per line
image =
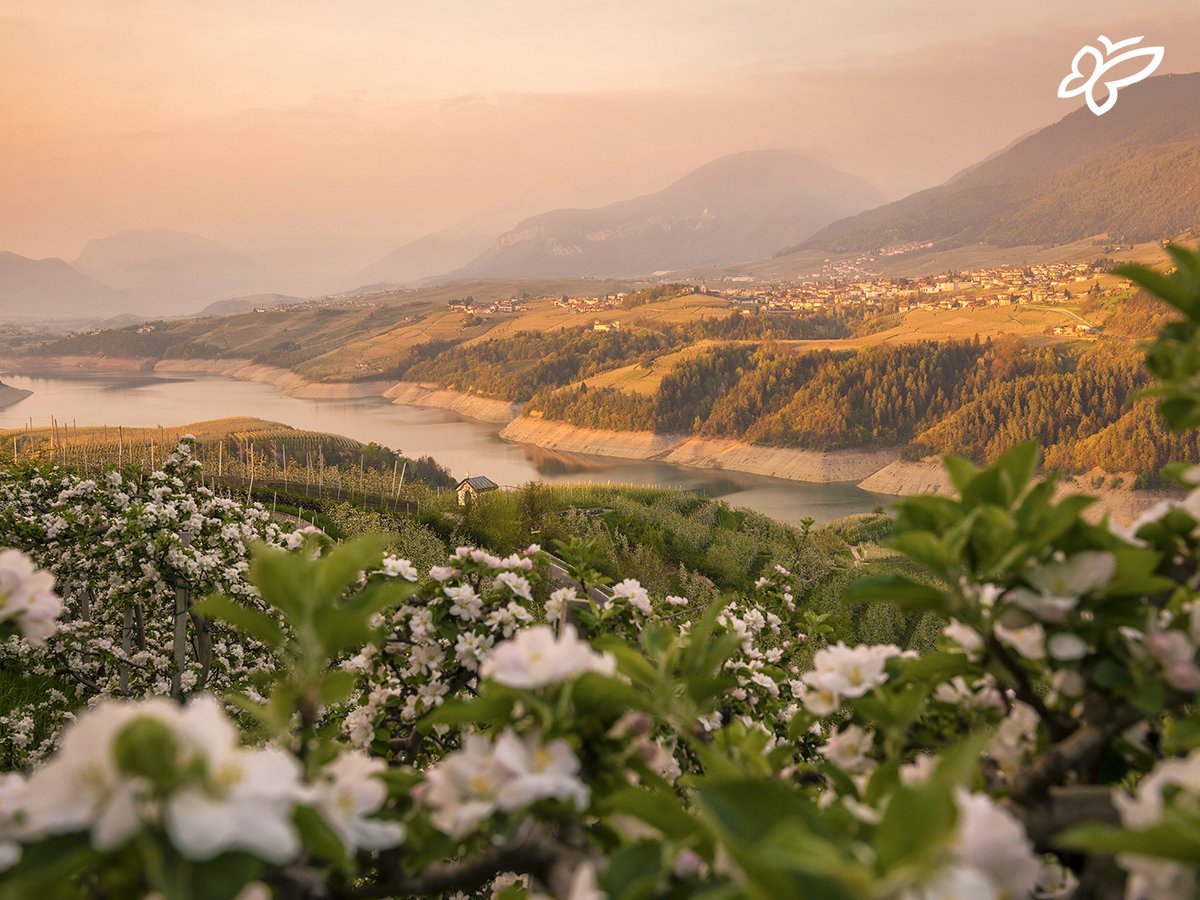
<point x="972" y="398"/>
<point x="521" y="365"/>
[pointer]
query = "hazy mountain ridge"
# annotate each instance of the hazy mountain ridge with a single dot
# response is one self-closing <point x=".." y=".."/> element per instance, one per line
<point x="734" y="208"/>
<point x="169" y="272"/>
<point x="1133" y="174"/>
<point x="42" y="288"/>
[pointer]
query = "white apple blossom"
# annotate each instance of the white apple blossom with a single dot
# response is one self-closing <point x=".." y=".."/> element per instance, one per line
<point x="955" y="883"/>
<point x="1057" y="586"/>
<point x="583" y="886"/>
<point x="847" y="748"/>
<point x="393" y="567"/>
<point x="27" y="597"/>
<point x="1175" y="651"/>
<point x="467" y="604"/>
<point x="1157" y="879"/>
<point x="223" y="797"/>
<point x="1145" y="806"/>
<point x="81" y="787"/>
<point x="537" y="657"/>
<point x="1066" y="647"/>
<point x="851" y="671"/>
<point x="990" y="840"/>
<point x="1027" y="640"/>
<point x="518" y="584"/>
<point x="631" y="591"/>
<point x="1014" y="739"/>
<point x="1055" y="881"/>
<point x="348" y="792"/>
<point x="471" y="649"/>
<point x="461" y="790"/>
<point x="536" y="772"/>
<point x="964" y="635"/>
<point x="559" y="602"/>
<point x="817" y="693"/>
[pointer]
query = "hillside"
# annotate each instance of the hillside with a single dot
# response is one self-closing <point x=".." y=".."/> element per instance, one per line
<point x="44" y="288"/>
<point x="1133" y="174"/>
<point x="738" y="207"/>
<point x="237" y="305"/>
<point x="168" y="272"/>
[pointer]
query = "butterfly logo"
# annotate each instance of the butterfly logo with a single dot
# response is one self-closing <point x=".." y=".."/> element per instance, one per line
<point x="1103" y="62"/>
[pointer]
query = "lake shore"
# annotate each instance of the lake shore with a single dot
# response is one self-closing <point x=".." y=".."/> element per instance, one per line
<point x="878" y="471"/>
<point x="701" y="453"/>
<point x="1121" y="502"/>
<point x="10" y="395"/>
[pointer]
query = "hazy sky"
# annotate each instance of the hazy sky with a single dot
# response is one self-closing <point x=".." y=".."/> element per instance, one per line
<point x="361" y="123"/>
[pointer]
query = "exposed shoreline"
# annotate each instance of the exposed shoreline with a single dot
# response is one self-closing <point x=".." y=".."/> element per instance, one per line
<point x="10" y="395"/>
<point x="1122" y="503"/>
<point x="879" y="471"/>
<point x="701" y="453"/>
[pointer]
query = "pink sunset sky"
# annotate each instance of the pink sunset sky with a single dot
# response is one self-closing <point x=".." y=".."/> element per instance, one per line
<point x="358" y="124"/>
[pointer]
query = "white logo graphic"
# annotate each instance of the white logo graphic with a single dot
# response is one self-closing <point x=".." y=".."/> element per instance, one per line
<point x="1104" y="63"/>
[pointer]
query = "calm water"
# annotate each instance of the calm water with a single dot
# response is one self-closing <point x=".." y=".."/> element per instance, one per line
<point x="460" y="444"/>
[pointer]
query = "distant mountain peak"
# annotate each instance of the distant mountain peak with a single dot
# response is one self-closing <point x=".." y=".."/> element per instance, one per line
<point x="51" y="287"/>
<point x="168" y="272"/>
<point x="734" y="208"/>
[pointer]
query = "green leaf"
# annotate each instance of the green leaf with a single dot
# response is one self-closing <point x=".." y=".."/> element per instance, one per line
<point x="252" y="622"/>
<point x="336" y="686"/>
<point x="222" y="877"/>
<point x="904" y="592"/>
<point x="593" y="693"/>
<point x="345" y="562"/>
<point x="284" y="581"/>
<point x="320" y="839"/>
<point x="634" y="871"/>
<point x="1005" y="479"/>
<point x="1172" y="840"/>
<point x="934" y="668"/>
<point x="1172" y="290"/>
<point x="485" y="709"/>
<point x="47" y="868"/>
<point x="924" y="547"/>
<point x="961" y="471"/>
<point x="657" y="809"/>
<point x="630" y="662"/>
<point x="777" y="839"/>
<point x="916" y="824"/>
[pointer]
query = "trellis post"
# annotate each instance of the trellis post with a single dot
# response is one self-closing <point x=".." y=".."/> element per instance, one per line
<point x="126" y="647"/>
<point x="183" y="605"/>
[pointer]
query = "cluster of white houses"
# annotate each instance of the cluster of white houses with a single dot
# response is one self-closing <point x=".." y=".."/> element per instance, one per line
<point x="990" y="286"/>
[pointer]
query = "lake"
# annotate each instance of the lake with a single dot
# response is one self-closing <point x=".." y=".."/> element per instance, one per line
<point x="460" y="444"/>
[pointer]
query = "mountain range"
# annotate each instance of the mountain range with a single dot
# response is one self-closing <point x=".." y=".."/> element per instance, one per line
<point x="47" y="288"/>
<point x="168" y="271"/>
<point x="738" y="207"/>
<point x="1132" y="174"/>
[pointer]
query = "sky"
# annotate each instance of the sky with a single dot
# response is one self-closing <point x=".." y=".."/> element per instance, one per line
<point x="303" y="128"/>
